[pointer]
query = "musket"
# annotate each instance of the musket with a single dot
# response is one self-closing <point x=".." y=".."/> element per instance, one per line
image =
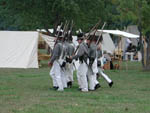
<point x="64" y="27"/>
<point x="95" y="27"/>
<point x="100" y="33"/>
<point x="72" y="24"/>
<point x="58" y="33"/>
<point x="69" y="35"/>
<point x="66" y="30"/>
<point x="76" y="50"/>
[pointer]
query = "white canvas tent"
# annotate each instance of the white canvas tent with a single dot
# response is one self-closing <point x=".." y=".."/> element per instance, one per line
<point x="121" y="34"/>
<point x="48" y="39"/>
<point x="107" y="43"/>
<point x="18" y="49"/>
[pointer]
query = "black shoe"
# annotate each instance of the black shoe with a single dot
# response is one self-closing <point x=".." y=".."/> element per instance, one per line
<point x="97" y="86"/>
<point x="69" y="84"/>
<point x="55" y="87"/>
<point x="79" y="89"/>
<point x="110" y="84"/>
<point x="97" y="76"/>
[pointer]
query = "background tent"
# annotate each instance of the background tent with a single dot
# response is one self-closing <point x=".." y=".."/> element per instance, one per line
<point x="107" y="43"/>
<point x="48" y="39"/>
<point x="122" y="35"/>
<point x="134" y="30"/>
<point x="18" y="49"/>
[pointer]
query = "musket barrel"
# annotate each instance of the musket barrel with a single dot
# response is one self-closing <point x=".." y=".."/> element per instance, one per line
<point x="100" y="33"/>
<point x="95" y="27"/>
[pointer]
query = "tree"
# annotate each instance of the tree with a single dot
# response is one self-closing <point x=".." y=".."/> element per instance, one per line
<point x="33" y="14"/>
<point x="146" y="31"/>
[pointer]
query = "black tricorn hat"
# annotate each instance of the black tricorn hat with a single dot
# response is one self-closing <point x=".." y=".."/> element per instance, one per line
<point x="59" y="34"/>
<point x="80" y="34"/>
<point x="80" y="37"/>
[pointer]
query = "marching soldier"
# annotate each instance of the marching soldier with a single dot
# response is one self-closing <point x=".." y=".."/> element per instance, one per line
<point x="56" y="62"/>
<point x="100" y="65"/>
<point x="70" y="66"/>
<point x="63" y="67"/>
<point x="82" y="55"/>
<point x="92" y="70"/>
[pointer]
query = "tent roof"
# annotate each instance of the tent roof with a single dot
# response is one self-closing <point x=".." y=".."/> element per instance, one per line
<point x="119" y="33"/>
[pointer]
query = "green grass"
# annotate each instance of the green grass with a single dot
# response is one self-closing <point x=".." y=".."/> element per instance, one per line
<point x="30" y="91"/>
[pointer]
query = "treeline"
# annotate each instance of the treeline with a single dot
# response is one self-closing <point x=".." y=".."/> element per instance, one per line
<point x="34" y="14"/>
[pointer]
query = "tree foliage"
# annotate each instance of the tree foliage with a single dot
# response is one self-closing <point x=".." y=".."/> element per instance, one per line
<point x="33" y="14"/>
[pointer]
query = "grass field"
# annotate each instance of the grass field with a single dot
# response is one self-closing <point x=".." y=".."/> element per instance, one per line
<point x="30" y="91"/>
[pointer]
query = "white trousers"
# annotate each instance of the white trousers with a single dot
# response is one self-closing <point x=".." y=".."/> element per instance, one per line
<point x="69" y="72"/>
<point x="52" y="75"/>
<point x="92" y="71"/>
<point x="56" y="74"/>
<point x="104" y="75"/>
<point x="81" y="76"/>
<point x="90" y="76"/>
<point x="64" y="77"/>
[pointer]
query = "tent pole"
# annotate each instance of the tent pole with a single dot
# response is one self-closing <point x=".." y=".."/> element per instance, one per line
<point x="121" y="54"/>
<point x="126" y="61"/>
<point x="118" y="54"/>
